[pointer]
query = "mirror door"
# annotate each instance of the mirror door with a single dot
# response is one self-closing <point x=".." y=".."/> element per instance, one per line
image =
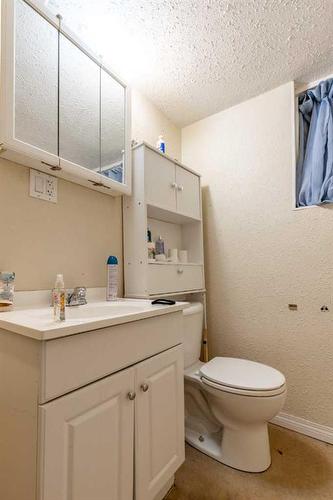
<point x="112" y="128"/>
<point x="35" y="79"/>
<point x="79" y="107"/>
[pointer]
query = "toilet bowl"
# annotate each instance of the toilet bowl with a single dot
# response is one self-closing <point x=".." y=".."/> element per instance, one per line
<point x="228" y="402"/>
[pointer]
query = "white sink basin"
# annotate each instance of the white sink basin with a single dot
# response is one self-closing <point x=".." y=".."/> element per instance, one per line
<point x="90" y="311"/>
<point x="38" y="322"/>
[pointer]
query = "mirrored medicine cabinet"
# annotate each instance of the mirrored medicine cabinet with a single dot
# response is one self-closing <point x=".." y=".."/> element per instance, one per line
<point x="63" y="111"/>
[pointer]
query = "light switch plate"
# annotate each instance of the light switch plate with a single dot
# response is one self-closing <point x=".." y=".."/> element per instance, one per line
<point x="43" y="186"/>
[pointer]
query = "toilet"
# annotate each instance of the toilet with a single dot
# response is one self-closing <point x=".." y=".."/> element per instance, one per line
<point x="228" y="402"/>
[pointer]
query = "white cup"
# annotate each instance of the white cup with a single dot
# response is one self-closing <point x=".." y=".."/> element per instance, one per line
<point x="173" y="254"/>
<point x="183" y="256"/>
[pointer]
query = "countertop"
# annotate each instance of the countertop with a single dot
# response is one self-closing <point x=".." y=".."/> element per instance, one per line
<point x="38" y="322"/>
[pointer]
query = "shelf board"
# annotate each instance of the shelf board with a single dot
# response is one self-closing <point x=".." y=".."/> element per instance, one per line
<point x="161" y="263"/>
<point x="167" y="294"/>
<point x="164" y="215"/>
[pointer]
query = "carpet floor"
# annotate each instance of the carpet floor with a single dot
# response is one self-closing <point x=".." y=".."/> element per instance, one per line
<point x="302" y="469"/>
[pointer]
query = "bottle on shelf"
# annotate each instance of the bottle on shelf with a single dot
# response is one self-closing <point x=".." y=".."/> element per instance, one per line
<point x="159" y="246"/>
<point x="161" y="144"/>
<point x="150" y="246"/>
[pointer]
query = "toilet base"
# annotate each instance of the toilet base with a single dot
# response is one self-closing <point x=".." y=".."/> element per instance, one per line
<point x="246" y="450"/>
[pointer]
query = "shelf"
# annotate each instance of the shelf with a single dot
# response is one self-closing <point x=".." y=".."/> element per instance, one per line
<point x="168" y="294"/>
<point x="173" y="214"/>
<point x="164" y="215"/>
<point x="161" y="263"/>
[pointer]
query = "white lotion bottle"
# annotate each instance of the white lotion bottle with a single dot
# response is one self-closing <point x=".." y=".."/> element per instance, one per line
<point x="161" y="144"/>
<point x="112" y="284"/>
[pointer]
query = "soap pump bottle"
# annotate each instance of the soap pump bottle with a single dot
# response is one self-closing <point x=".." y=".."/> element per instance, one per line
<point x="161" y="144"/>
<point x="59" y="298"/>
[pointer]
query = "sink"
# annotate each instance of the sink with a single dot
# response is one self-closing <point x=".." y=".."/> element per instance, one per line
<point x="91" y="311"/>
<point x="38" y="322"/>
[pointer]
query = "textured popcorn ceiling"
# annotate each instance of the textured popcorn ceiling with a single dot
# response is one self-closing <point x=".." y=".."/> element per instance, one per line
<point x="193" y="58"/>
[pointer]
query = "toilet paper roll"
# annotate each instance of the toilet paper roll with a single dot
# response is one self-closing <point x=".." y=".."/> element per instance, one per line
<point x="173" y="254"/>
<point x="183" y="256"/>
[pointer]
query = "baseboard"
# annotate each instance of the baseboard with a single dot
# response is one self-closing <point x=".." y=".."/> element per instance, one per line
<point x="311" y="429"/>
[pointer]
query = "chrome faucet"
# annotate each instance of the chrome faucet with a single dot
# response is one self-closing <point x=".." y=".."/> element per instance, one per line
<point x="77" y="297"/>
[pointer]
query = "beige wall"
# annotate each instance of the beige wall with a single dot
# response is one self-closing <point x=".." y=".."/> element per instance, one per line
<point x="262" y="255"/>
<point x="148" y="122"/>
<point x="40" y="239"/>
<point x="74" y="237"/>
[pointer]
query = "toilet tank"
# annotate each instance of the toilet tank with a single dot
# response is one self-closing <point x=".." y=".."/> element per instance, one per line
<point x="192" y="332"/>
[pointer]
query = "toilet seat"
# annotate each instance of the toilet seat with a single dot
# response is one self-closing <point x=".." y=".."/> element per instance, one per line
<point x="241" y="376"/>
<point x="243" y="392"/>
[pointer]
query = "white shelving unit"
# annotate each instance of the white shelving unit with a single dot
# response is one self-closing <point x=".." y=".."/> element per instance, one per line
<point x="166" y="197"/>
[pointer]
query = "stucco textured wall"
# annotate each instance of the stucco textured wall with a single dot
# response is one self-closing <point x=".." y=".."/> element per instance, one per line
<point x="260" y="254"/>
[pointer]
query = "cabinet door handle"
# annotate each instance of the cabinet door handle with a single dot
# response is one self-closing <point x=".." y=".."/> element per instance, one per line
<point x="144" y="387"/>
<point x="52" y="167"/>
<point x="131" y="395"/>
<point x="174" y="185"/>
<point x="180" y="188"/>
<point x="180" y="271"/>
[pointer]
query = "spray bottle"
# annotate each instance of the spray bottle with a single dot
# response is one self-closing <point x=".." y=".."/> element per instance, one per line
<point x="112" y="285"/>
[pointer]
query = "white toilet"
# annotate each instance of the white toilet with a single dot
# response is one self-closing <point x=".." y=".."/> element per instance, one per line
<point x="228" y="402"/>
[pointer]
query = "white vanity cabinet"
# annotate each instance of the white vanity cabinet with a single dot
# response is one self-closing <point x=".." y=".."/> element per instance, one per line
<point x="97" y="415"/>
<point x="87" y="441"/>
<point x="62" y="111"/>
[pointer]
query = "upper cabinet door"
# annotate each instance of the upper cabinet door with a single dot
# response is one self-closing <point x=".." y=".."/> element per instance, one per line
<point x="160" y="181"/>
<point x="79" y="107"/>
<point x="35" y="80"/>
<point x="159" y="417"/>
<point x="188" y="193"/>
<point x="112" y="127"/>
<point x="86" y="442"/>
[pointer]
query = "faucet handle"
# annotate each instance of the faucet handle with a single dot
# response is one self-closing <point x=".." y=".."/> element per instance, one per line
<point x="77" y="297"/>
<point x="80" y="293"/>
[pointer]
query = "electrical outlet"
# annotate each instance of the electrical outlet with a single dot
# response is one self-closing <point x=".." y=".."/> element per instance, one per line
<point x="43" y="186"/>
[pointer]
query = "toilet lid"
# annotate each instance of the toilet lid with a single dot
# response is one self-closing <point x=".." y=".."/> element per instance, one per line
<point x="242" y="374"/>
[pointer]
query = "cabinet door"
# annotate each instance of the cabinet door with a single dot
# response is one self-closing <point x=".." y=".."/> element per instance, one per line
<point x="36" y="80"/>
<point x="112" y="128"/>
<point x="159" y="437"/>
<point x="160" y="182"/>
<point x="86" y="442"/>
<point x="79" y="107"/>
<point x="188" y="193"/>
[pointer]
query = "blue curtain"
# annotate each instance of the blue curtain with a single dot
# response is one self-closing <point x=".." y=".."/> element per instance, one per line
<point x="314" y="174"/>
